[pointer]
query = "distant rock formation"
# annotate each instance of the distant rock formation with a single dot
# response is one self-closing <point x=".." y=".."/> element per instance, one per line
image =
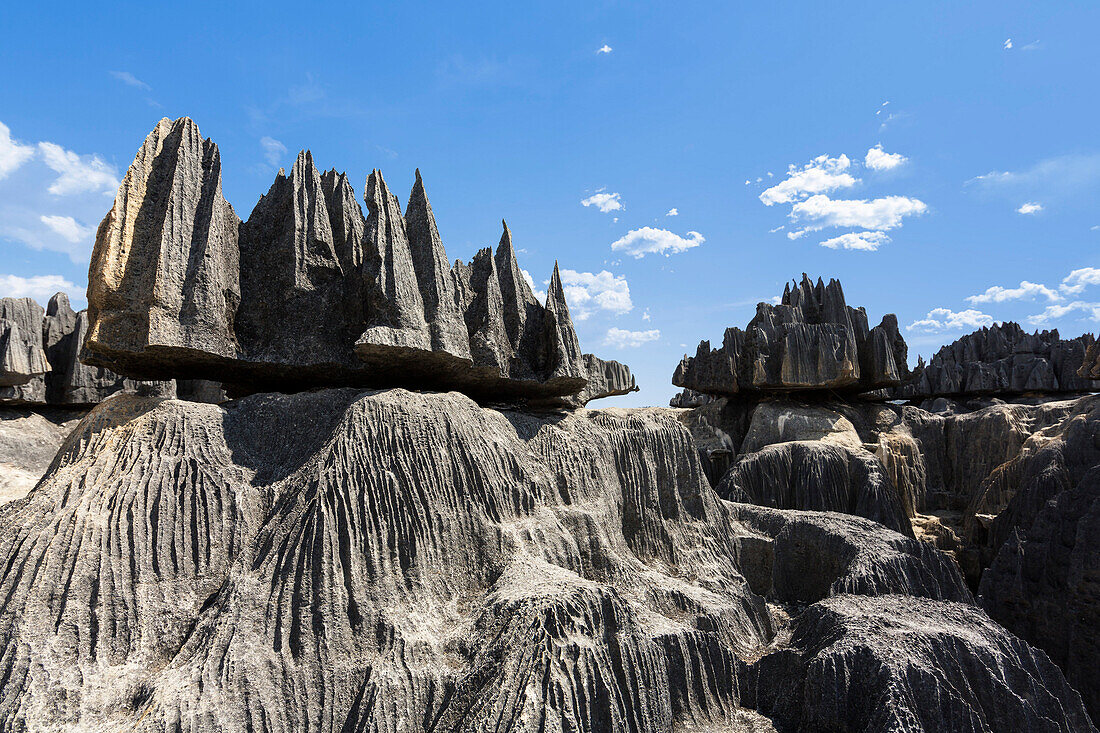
<point x="1090" y="369"/>
<point x="308" y="292"/>
<point x="1003" y="359"/>
<point x="811" y="340"/>
<point x="23" y="364"/>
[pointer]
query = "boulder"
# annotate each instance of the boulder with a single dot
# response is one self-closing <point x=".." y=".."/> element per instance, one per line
<point x="812" y="340"/>
<point x="309" y="292"/>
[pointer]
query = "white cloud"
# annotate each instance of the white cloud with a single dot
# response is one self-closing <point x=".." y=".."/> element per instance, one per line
<point x="77" y="173"/>
<point x="1066" y="174"/>
<point x="1008" y="43"/>
<point x="640" y="242"/>
<point x="587" y="292"/>
<point x="673" y="212"/>
<point x="1031" y="207"/>
<point x="67" y="227"/>
<point x="130" y="80"/>
<point x="12" y="153"/>
<point x="1089" y="311"/>
<point x="1028" y="290"/>
<point x="818" y="176"/>
<point x="944" y="319"/>
<point x="880" y="214"/>
<point x="604" y="49"/>
<point x="39" y="287"/>
<point x="605" y="202"/>
<point x="273" y="149"/>
<point x="540" y="294"/>
<point x="622" y="339"/>
<point x="1077" y="280"/>
<point x="879" y="160"/>
<point x="1033" y="46"/>
<point x="645" y="316"/>
<point x="868" y="241"/>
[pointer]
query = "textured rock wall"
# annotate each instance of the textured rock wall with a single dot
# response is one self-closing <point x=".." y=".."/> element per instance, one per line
<point x="811" y="340"/>
<point x="310" y="292"/>
<point x="1002" y="359"/>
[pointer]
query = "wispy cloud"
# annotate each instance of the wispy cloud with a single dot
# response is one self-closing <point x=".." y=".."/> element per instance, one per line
<point x="867" y="241"/>
<point x="820" y="175"/>
<point x="941" y="320"/>
<point x="605" y="202"/>
<point x="39" y="287"/>
<point x="1008" y="44"/>
<point x="604" y="49"/>
<point x="648" y="240"/>
<point x="273" y="149"/>
<point x="78" y="173"/>
<point x="622" y="339"/>
<point x="67" y="227"/>
<point x="1031" y="207"/>
<point x="12" y="153"/>
<point x="1088" y="311"/>
<point x="1065" y="175"/>
<point x="673" y="212"/>
<point x="588" y="292"/>
<point x="1026" y="290"/>
<point x="881" y="214"/>
<point x="879" y="160"/>
<point x="130" y="80"/>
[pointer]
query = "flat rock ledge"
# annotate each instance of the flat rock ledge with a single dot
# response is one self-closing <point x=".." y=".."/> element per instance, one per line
<point x="812" y="340"/>
<point x="309" y="292"/>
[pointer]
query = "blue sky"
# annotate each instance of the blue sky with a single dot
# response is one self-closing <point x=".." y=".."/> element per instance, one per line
<point x="954" y="145"/>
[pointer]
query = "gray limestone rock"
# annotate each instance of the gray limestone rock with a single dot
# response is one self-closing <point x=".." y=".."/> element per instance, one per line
<point x="1044" y="580"/>
<point x="811" y="340"/>
<point x="308" y="292"/>
<point x="22" y="357"/>
<point x="606" y="378"/>
<point x="1090" y="367"/>
<point x="817" y="476"/>
<point x="899" y="663"/>
<point x="29" y="439"/>
<point x="1002" y="359"/>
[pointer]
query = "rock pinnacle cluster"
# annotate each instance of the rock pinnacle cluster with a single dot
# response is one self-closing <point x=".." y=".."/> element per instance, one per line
<point x="310" y="292"/>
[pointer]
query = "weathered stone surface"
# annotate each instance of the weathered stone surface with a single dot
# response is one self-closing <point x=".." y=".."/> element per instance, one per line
<point x="394" y="557"/>
<point x="1090" y="368"/>
<point x="308" y="292"/>
<point x="163" y="280"/>
<point x="689" y="398"/>
<point x="815" y="555"/>
<point x="817" y="476"/>
<point x="899" y="663"/>
<point x="29" y="439"/>
<point x="783" y="421"/>
<point x="22" y="357"/>
<point x="608" y="378"/>
<point x="811" y="340"/>
<point x="1002" y="359"/>
<point x="1044" y="580"/>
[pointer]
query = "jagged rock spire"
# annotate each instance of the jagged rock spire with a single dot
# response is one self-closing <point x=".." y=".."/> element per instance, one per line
<point x="489" y="343"/>
<point x="516" y="293"/>
<point x="164" y="272"/>
<point x="442" y="311"/>
<point x="345" y="218"/>
<point x="563" y="349"/>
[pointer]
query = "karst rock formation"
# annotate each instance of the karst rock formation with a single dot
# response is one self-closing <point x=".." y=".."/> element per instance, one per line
<point x="403" y="518"/>
<point x="1002" y="360"/>
<point x="1090" y="369"/>
<point x="811" y="340"/>
<point x="310" y="292"/>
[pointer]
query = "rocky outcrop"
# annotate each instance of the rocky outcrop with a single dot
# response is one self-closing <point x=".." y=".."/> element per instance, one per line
<point x="1044" y="580"/>
<point x="23" y="364"/>
<point x="1002" y="359"/>
<point x="608" y="378"/>
<point x="689" y="398"/>
<point x="404" y="561"/>
<point x="29" y="439"/>
<point x="308" y="292"/>
<point x="817" y="476"/>
<point x="811" y="340"/>
<point x="894" y="663"/>
<point x="1090" y="368"/>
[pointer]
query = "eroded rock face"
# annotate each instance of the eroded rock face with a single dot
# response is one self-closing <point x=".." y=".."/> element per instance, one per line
<point x="29" y="439"/>
<point x="608" y="378"/>
<point x="310" y="292"/>
<point x="1090" y="369"/>
<point x="819" y="476"/>
<point x="894" y="663"/>
<point x="23" y="362"/>
<point x="811" y="340"/>
<point x="1002" y="359"/>
<point x="1044" y="580"/>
